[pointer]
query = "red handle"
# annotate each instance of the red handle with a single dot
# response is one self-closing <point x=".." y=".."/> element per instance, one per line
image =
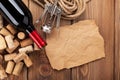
<point x="37" y="39"/>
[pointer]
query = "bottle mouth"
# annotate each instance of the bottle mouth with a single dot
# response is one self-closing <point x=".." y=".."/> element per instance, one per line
<point x="37" y="38"/>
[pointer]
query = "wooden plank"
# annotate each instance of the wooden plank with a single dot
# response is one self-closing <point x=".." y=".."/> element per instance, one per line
<point x="38" y="58"/>
<point x="35" y="72"/>
<point x="102" y="11"/>
<point x="23" y="74"/>
<point x="117" y="40"/>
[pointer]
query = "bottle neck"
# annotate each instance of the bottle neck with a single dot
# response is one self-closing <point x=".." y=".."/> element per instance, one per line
<point x="35" y="36"/>
<point x="29" y="29"/>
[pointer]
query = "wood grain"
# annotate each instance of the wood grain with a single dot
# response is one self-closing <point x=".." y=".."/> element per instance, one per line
<point x="38" y="58"/>
<point x="102" y="11"/>
<point x="117" y="40"/>
<point x="106" y="14"/>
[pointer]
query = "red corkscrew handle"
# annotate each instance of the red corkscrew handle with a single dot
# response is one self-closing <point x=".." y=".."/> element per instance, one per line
<point x="37" y="39"/>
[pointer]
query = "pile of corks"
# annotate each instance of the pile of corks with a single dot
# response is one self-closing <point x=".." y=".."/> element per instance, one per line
<point x="16" y="46"/>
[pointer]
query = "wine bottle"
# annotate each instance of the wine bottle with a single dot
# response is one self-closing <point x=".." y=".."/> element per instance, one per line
<point x="16" y="13"/>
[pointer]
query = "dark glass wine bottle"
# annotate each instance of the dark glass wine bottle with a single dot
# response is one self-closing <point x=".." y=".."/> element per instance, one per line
<point x="16" y="13"/>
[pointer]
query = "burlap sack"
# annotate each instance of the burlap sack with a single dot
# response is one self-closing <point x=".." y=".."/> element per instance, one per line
<point x="75" y="45"/>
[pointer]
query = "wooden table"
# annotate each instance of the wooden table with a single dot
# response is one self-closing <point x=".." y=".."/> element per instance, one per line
<point x="106" y="13"/>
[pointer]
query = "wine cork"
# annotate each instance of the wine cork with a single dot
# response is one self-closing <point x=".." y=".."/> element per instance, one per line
<point x="18" y="68"/>
<point x="9" y="41"/>
<point x="16" y="44"/>
<point x="2" y="43"/>
<point x="21" y="35"/>
<point x="3" y="74"/>
<point x="5" y="32"/>
<point x="27" y="61"/>
<point x="10" y="67"/>
<point x="36" y="47"/>
<point x="19" y="57"/>
<point x="26" y="49"/>
<point x="9" y="57"/>
<point x="11" y="29"/>
<point x="26" y="42"/>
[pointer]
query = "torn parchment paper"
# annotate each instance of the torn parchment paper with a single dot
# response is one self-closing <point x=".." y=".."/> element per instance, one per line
<point x="75" y="45"/>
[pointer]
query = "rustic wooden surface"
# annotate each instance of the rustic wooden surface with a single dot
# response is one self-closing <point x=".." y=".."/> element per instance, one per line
<point x="106" y="13"/>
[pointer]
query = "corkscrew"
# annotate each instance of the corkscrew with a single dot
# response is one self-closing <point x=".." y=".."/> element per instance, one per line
<point x="50" y="16"/>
